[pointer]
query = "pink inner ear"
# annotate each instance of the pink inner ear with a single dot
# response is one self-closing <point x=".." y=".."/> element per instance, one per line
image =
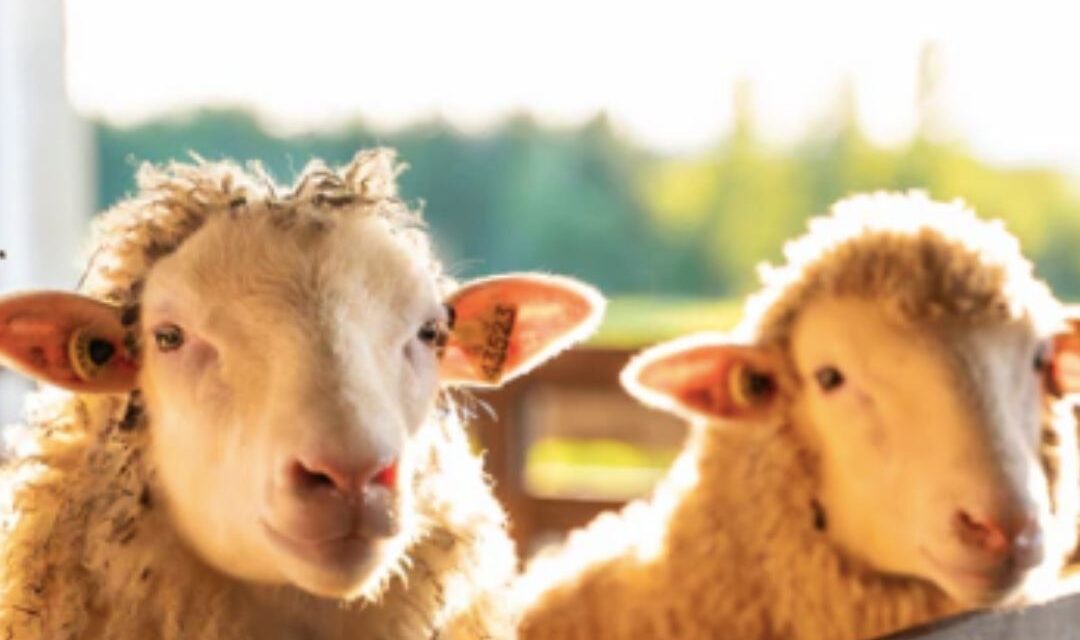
<point x="696" y="379"/>
<point x="37" y="347"/>
<point x="543" y="318"/>
<point x="1065" y="372"/>
<point x="36" y="332"/>
<point x="507" y="325"/>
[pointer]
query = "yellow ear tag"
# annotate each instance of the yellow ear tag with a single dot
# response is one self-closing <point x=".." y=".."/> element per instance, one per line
<point x="89" y="354"/>
<point x="748" y="387"/>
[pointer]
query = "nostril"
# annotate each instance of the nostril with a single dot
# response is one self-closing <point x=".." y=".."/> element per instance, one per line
<point x="306" y="476"/>
<point x="981" y="533"/>
<point x="315" y="473"/>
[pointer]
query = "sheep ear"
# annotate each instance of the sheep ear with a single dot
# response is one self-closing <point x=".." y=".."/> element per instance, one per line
<point x="67" y="340"/>
<point x="1064" y="372"/>
<point x="706" y="376"/>
<point x="506" y="325"/>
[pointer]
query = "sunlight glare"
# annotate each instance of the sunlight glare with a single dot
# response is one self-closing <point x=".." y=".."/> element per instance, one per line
<point x="664" y="74"/>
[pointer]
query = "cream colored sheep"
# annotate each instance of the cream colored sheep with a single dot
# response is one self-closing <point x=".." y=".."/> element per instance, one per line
<point x="287" y="467"/>
<point x="879" y="443"/>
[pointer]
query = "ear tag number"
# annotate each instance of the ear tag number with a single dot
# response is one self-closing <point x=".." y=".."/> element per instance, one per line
<point x="497" y="343"/>
<point x="488" y="338"/>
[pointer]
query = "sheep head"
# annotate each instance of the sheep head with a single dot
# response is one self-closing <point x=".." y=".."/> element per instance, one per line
<point x="286" y="370"/>
<point x="923" y="429"/>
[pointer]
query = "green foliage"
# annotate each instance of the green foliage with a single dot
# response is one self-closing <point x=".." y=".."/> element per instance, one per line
<point x="588" y="203"/>
<point x="632" y="321"/>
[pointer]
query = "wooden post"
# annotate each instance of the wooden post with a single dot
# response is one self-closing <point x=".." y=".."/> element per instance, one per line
<point x="46" y="163"/>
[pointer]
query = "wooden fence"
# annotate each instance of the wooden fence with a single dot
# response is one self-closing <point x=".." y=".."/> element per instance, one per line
<point x="536" y="406"/>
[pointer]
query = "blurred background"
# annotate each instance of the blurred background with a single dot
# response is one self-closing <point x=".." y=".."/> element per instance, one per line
<point x="658" y="150"/>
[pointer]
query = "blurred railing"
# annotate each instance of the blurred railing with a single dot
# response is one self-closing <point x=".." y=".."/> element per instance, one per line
<point x="566" y="442"/>
<point x="1058" y="620"/>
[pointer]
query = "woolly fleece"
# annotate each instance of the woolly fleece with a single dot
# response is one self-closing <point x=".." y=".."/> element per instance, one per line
<point x="88" y="548"/>
<point x="726" y="547"/>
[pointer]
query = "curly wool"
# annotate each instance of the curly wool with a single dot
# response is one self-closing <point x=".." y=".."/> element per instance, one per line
<point x="175" y="201"/>
<point x="927" y="260"/>
<point x="728" y="546"/>
<point x="89" y="550"/>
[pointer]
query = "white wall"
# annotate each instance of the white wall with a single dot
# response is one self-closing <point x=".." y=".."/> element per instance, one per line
<point x="46" y="163"/>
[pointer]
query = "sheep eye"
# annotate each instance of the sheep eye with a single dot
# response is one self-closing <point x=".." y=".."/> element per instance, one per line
<point x="433" y="333"/>
<point x="1042" y="359"/>
<point x="168" y="337"/>
<point x="829" y="378"/>
<point x="451" y="316"/>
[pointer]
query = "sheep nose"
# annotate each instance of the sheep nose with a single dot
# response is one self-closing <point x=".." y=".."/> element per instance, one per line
<point x="349" y="478"/>
<point x="1019" y="538"/>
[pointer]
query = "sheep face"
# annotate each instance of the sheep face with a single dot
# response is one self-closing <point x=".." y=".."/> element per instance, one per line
<point x="293" y="366"/>
<point x="922" y="439"/>
<point x="286" y="371"/>
<point x="927" y="441"/>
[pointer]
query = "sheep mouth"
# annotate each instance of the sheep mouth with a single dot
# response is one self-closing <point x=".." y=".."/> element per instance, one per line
<point x="978" y="584"/>
<point x="349" y="549"/>
<point x="350" y="565"/>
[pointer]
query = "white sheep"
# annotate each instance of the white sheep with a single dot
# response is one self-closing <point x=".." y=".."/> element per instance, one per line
<point x="879" y="443"/>
<point x="288" y="467"/>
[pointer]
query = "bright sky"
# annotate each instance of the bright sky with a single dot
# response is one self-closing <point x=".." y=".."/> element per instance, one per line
<point x="664" y="71"/>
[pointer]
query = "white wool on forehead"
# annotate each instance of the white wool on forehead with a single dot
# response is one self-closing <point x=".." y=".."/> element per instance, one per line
<point x="925" y="260"/>
<point x="175" y="200"/>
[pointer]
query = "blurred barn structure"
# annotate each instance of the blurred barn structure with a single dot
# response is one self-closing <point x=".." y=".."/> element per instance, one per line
<point x="570" y="404"/>
<point x="46" y="163"/>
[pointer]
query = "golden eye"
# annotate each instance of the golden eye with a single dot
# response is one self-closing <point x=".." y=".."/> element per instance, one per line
<point x="168" y="337"/>
<point x="89" y="354"/>
<point x="749" y="387"/>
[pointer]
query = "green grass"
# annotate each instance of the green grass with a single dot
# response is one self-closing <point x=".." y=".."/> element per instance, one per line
<point x="633" y="322"/>
<point x="613" y="453"/>
<point x="597" y="469"/>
